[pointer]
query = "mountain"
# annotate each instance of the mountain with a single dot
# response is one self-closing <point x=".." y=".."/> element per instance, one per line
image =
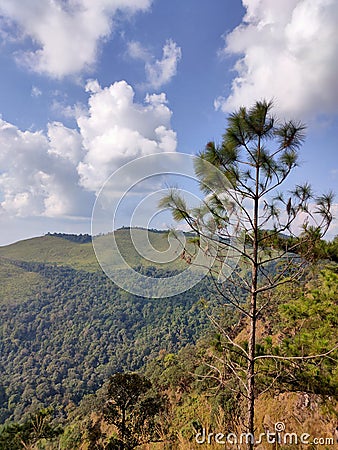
<point x="66" y="327"/>
<point x="77" y="251"/>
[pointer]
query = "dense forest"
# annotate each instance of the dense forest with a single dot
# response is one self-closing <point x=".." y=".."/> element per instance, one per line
<point x="64" y="340"/>
<point x="79" y="329"/>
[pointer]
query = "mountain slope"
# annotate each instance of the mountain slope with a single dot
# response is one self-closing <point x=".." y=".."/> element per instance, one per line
<point x="65" y="330"/>
<point x="65" y="249"/>
<point x="52" y="249"/>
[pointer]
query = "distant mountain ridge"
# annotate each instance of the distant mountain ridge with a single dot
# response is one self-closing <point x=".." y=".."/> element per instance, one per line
<point x="78" y="238"/>
<point x="64" y="249"/>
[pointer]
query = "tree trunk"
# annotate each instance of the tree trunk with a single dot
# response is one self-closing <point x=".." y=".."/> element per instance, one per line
<point x="123" y="428"/>
<point x="250" y="377"/>
<point x="251" y="371"/>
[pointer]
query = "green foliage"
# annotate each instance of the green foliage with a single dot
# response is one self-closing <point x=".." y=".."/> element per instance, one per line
<point x="76" y="251"/>
<point x="17" y="284"/>
<point x="78" y="238"/>
<point x="133" y="409"/>
<point x="27" y="434"/>
<point x="71" y="437"/>
<point x="70" y="331"/>
<point x="244" y="146"/>
<point x="309" y="323"/>
<point x="181" y="394"/>
<point x="52" y="249"/>
<point x="332" y="250"/>
<point x="78" y="329"/>
<point x="241" y="178"/>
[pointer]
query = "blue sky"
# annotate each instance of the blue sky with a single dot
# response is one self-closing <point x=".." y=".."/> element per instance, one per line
<point x="87" y="86"/>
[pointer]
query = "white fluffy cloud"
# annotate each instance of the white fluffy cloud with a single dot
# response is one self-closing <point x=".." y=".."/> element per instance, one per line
<point x="37" y="177"/>
<point x="333" y="230"/>
<point x="287" y="51"/>
<point x="117" y="130"/>
<point x="163" y="70"/>
<point x="158" y="71"/>
<point x="65" y="33"/>
<point x="57" y="173"/>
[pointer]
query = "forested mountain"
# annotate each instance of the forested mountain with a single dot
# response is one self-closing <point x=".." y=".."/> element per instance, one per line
<point x="64" y="331"/>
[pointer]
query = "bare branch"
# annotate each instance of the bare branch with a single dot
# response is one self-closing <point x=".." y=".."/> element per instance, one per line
<point x="294" y="358"/>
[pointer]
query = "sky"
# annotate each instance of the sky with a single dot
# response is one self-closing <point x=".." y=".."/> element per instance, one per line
<point x="89" y="86"/>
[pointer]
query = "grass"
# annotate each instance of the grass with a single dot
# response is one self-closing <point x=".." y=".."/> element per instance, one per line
<point x="142" y="254"/>
<point x="51" y="249"/>
<point x="56" y="250"/>
<point x="16" y="284"/>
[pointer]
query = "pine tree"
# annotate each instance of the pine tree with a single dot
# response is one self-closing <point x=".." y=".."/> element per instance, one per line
<point x="244" y="218"/>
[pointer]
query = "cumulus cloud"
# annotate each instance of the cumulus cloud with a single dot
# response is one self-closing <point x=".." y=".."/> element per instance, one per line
<point x="116" y="130"/>
<point x="163" y="70"/>
<point x="64" y="142"/>
<point x="36" y="177"/>
<point x="158" y="71"/>
<point x="287" y="50"/>
<point x="65" y="33"/>
<point x="57" y="173"/>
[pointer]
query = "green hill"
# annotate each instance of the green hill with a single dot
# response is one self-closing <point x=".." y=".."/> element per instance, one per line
<point x="17" y="284"/>
<point x="66" y="327"/>
<point x="65" y="249"/>
<point x="51" y="249"/>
